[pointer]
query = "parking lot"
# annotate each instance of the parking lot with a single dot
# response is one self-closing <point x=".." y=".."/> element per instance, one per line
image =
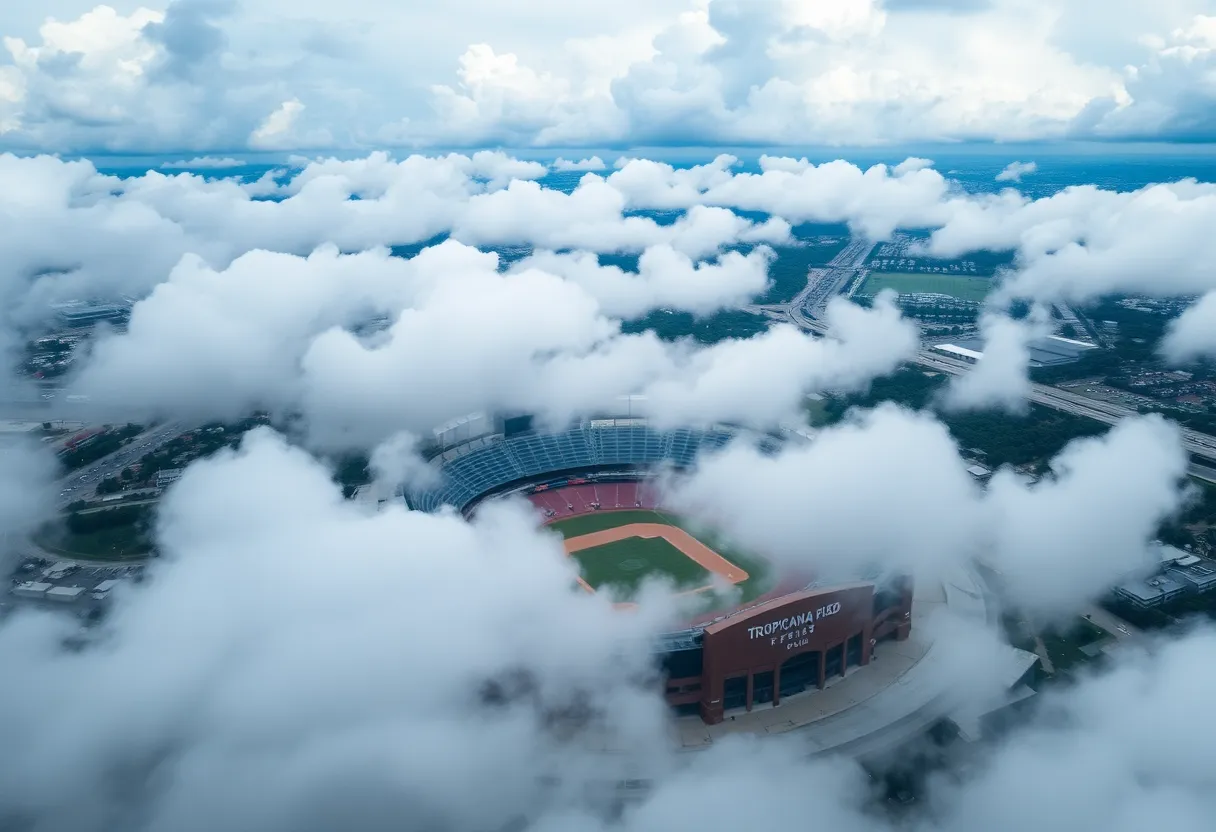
<point x="41" y="583"/>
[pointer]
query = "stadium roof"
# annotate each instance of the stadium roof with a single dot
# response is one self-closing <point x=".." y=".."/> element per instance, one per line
<point x="1044" y="352"/>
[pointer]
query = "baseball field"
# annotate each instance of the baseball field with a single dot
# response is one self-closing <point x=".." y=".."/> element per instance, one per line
<point x="618" y="550"/>
<point x="961" y="286"/>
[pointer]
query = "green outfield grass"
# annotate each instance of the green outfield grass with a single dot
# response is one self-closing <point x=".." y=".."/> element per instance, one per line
<point x="963" y="287"/>
<point x="623" y="565"/>
<point x="598" y="521"/>
<point x="760" y="577"/>
<point x="119" y="543"/>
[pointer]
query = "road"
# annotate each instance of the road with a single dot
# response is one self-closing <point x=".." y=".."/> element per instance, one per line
<point x="823" y="284"/>
<point x="1117" y="627"/>
<point x="806" y="312"/>
<point x="80" y="484"/>
<point x="1199" y="444"/>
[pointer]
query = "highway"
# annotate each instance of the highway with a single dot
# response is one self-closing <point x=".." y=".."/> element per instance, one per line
<point x="1199" y="444"/>
<point x="823" y="284"/>
<point x="80" y="484"/>
<point x="806" y="312"/>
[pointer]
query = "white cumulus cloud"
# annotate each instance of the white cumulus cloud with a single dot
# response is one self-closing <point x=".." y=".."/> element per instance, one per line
<point x="1014" y="171"/>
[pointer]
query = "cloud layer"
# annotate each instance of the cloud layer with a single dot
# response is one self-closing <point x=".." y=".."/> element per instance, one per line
<point x="366" y="665"/>
<point x="204" y="76"/>
<point x="297" y="661"/>
<point x="232" y="248"/>
<point x="888" y="490"/>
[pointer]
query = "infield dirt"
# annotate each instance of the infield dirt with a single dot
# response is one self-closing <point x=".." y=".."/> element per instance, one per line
<point x="676" y="537"/>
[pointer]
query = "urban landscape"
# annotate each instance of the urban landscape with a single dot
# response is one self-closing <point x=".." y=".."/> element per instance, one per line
<point x="683" y="415"/>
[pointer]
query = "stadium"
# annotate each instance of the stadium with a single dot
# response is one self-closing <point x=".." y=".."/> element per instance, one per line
<point x="767" y="652"/>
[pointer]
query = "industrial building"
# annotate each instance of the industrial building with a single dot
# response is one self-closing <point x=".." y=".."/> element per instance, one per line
<point x="59" y="570"/>
<point x="1055" y="350"/>
<point x="82" y="315"/>
<point x="1051" y="351"/>
<point x="959" y="353"/>
<point x="1180" y="574"/>
<point x="31" y="589"/>
<point x="979" y="473"/>
<point x="65" y="594"/>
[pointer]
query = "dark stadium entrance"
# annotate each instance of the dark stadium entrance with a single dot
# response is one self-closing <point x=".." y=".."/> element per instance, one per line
<point x="762" y="687"/>
<point x="800" y="673"/>
<point x="734" y="693"/>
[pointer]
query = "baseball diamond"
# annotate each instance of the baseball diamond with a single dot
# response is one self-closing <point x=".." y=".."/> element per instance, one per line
<point x="612" y="556"/>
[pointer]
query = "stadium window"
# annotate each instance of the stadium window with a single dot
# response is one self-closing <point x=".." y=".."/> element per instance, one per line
<point x="734" y="693"/>
<point x="681" y="664"/>
<point x="853" y="653"/>
<point x="762" y="687"/>
<point x="691" y="687"/>
<point x="800" y="673"/>
<point x="833" y="664"/>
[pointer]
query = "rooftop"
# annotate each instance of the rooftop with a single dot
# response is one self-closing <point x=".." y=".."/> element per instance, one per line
<point x="955" y="349"/>
<point x="65" y="592"/>
<point x="1154" y="590"/>
<point x="1044" y="352"/>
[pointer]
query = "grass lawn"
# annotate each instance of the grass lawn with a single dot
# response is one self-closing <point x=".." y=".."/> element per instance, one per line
<point x="1066" y="654"/>
<point x="598" y="521"/>
<point x="760" y="578"/>
<point x="1064" y="645"/>
<point x="624" y="564"/>
<point x="118" y="543"/>
<point x="963" y="287"/>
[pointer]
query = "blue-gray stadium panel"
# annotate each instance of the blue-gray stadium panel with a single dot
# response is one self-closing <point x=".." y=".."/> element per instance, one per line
<point x="499" y="462"/>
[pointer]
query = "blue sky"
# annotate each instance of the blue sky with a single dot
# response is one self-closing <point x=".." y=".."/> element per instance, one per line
<point x="221" y="76"/>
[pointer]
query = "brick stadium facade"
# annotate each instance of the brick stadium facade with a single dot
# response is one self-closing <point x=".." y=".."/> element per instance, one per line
<point x="784" y="646"/>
